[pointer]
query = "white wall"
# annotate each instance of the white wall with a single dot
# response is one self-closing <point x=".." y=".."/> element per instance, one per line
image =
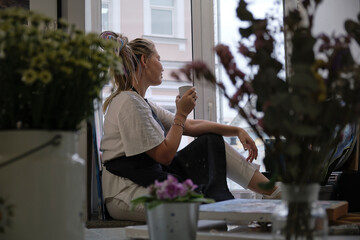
<point x="47" y="7"/>
<point x="74" y="12"/>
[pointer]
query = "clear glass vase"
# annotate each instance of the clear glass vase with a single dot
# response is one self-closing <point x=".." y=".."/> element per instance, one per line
<point x="299" y="215"/>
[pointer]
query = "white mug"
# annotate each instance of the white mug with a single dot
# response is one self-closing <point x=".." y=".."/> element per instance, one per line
<point x="183" y="89"/>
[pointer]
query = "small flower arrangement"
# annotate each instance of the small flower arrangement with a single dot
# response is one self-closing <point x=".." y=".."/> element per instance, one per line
<point x="171" y="191"/>
<point x="49" y="76"/>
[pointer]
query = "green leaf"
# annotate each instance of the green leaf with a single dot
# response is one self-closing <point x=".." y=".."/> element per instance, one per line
<point x="203" y="200"/>
<point x="242" y="12"/>
<point x="270" y="118"/>
<point x="246" y="32"/>
<point x="292" y="149"/>
<point x="269" y="185"/>
<point x="352" y="28"/>
<point x="303" y="79"/>
<point x="304" y="130"/>
<point x="141" y="200"/>
<point x="154" y="204"/>
<point x="196" y="195"/>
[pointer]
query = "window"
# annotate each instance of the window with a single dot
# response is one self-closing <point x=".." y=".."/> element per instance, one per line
<point x="162" y="17"/>
<point x="226" y="32"/>
<point x="105" y="23"/>
<point x="155" y="20"/>
<point x="165" y="19"/>
<point x="172" y="24"/>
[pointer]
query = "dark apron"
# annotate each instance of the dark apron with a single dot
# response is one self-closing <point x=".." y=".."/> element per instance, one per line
<point x="203" y="161"/>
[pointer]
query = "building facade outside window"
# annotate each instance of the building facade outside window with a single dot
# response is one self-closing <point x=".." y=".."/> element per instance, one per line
<point x="162" y="17"/>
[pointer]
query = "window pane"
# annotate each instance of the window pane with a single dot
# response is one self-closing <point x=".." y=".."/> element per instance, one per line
<point x="105" y="16"/>
<point x="227" y="32"/>
<point x="168" y="3"/>
<point x="161" y="22"/>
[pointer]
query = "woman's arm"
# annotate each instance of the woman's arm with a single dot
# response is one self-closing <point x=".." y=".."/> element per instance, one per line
<point x="195" y="128"/>
<point x="164" y="153"/>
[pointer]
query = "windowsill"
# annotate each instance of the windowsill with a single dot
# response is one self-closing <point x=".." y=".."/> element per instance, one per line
<point x="181" y="42"/>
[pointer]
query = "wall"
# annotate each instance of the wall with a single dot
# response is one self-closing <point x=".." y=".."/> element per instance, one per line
<point x="47" y="7"/>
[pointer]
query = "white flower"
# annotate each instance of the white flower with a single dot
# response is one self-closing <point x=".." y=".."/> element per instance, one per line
<point x="29" y="76"/>
<point x="45" y="76"/>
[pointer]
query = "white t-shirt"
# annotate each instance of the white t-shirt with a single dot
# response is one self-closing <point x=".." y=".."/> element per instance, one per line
<point x="130" y="129"/>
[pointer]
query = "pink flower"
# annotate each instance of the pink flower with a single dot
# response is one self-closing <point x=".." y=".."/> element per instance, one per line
<point x="170" y="188"/>
<point x="190" y="185"/>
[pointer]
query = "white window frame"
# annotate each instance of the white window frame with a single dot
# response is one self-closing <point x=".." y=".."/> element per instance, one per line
<point x="109" y="3"/>
<point x="178" y="26"/>
<point x="203" y="49"/>
<point x="164" y="8"/>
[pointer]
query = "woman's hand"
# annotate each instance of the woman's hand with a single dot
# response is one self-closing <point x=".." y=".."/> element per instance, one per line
<point x="186" y="103"/>
<point x="164" y="153"/>
<point x="248" y="144"/>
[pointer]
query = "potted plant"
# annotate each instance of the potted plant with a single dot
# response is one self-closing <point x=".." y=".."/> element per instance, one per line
<point x="172" y="209"/>
<point x="304" y="113"/>
<point x="49" y="78"/>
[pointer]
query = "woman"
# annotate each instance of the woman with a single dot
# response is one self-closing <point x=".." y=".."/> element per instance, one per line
<point x="141" y="139"/>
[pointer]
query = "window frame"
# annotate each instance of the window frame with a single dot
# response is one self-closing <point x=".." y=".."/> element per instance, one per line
<point x="203" y="45"/>
<point x="163" y="8"/>
<point x="202" y="42"/>
<point x="178" y="25"/>
<point x="108" y="2"/>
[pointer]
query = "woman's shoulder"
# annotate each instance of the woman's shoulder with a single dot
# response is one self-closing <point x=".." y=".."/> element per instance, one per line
<point x="129" y="99"/>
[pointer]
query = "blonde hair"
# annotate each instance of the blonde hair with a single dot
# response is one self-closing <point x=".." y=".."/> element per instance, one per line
<point x="131" y="53"/>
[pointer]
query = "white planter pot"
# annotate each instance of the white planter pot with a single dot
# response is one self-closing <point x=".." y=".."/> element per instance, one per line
<point x="46" y="188"/>
<point x="175" y="221"/>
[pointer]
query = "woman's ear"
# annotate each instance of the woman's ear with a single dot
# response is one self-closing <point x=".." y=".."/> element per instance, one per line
<point x="143" y="61"/>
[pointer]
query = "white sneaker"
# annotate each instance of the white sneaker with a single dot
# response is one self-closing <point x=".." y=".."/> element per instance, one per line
<point x="275" y="195"/>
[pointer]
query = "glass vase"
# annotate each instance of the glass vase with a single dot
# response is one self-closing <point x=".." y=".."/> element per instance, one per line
<point x="299" y="215"/>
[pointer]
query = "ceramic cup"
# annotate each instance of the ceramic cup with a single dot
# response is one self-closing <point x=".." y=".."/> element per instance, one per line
<point x="183" y="89"/>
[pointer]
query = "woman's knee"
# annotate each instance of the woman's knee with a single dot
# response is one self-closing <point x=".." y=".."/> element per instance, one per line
<point x="211" y="137"/>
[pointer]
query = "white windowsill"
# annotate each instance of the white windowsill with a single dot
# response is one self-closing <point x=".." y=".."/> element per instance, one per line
<point x="168" y="40"/>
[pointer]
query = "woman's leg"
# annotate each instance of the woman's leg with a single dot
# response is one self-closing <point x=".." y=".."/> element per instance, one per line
<point x="244" y="173"/>
<point x="204" y="162"/>
<point x="119" y="206"/>
<point x="118" y="209"/>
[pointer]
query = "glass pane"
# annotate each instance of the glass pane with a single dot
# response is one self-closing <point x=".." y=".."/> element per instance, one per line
<point x="226" y="32"/>
<point x="105" y="16"/>
<point x="133" y="19"/>
<point x="168" y="3"/>
<point x="161" y="22"/>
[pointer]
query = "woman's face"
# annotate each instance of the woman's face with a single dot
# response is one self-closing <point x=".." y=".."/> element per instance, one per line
<point x="154" y="69"/>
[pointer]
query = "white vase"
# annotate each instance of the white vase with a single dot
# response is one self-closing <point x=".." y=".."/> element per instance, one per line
<point x="175" y="221"/>
<point x="46" y="188"/>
